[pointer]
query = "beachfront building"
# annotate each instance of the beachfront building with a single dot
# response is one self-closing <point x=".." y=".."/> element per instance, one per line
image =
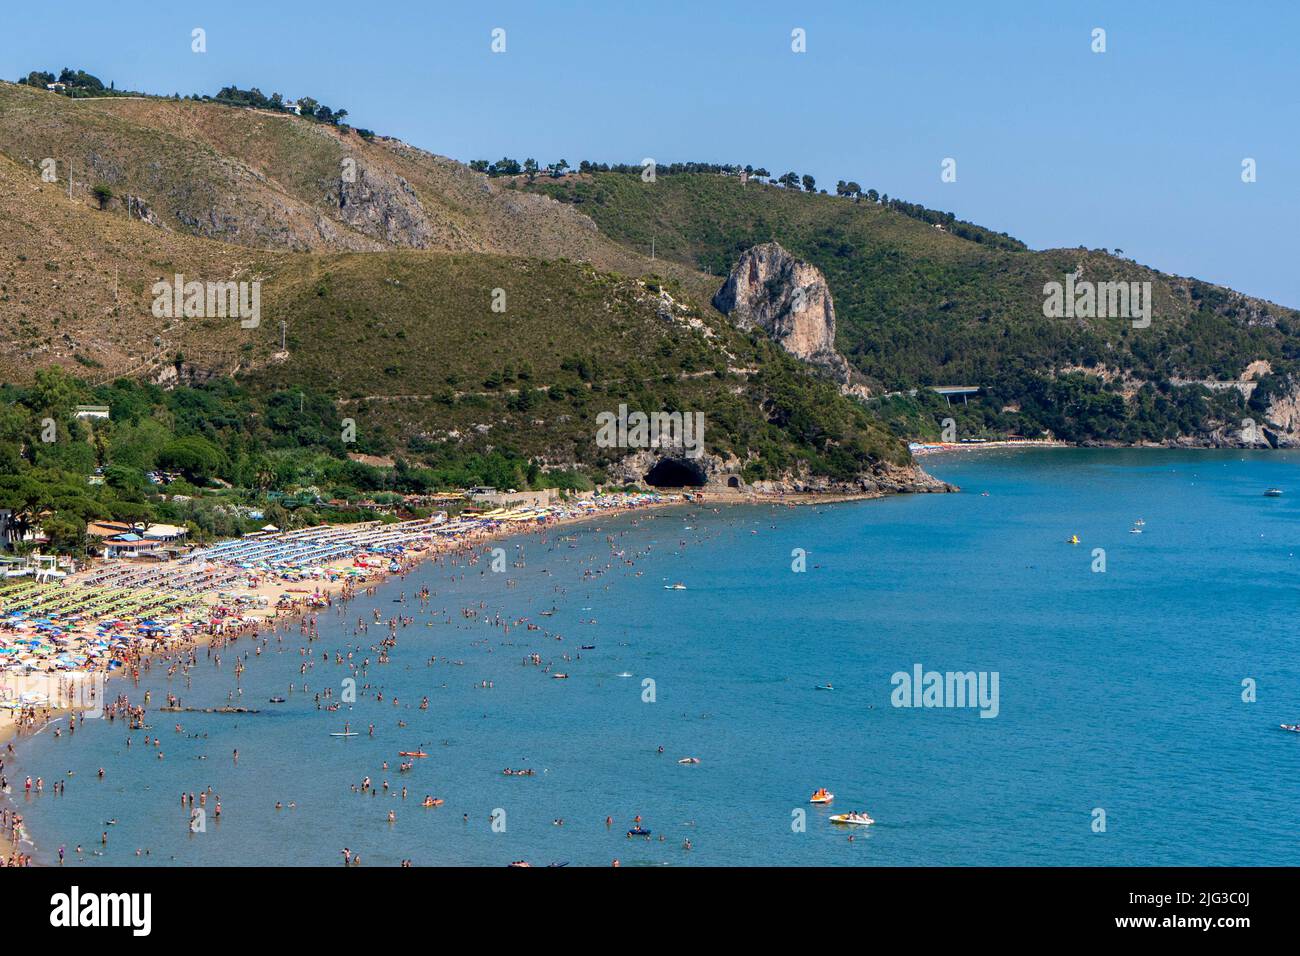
<point x="170" y="534"/>
<point x="129" y="545"/>
<point x="121" y="540"/>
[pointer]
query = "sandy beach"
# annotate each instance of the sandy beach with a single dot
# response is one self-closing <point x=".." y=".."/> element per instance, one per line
<point x="274" y="599"/>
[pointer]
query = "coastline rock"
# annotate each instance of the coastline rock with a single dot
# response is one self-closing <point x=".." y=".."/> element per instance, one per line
<point x="711" y="472"/>
<point x="1284" y="415"/>
<point x="705" y="471"/>
<point x="789" y="299"/>
<point x="883" y="479"/>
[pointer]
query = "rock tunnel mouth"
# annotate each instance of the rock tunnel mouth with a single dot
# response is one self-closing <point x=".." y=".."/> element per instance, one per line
<point x="676" y="473"/>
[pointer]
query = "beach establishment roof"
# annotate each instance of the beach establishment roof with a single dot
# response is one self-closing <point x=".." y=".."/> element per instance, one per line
<point x="165" y="531"/>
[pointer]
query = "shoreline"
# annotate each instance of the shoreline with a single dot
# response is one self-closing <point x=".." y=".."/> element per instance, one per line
<point x="469" y="546"/>
<point x="271" y="589"/>
<point x="11" y="733"/>
<point x="923" y="449"/>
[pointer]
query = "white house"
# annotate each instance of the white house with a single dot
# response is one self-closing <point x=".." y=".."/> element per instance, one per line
<point x="120" y="541"/>
<point x="166" y="533"/>
<point x="129" y="545"/>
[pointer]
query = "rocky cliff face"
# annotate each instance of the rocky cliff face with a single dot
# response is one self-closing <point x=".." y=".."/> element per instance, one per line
<point x="789" y="300"/>
<point x="882" y="479"/>
<point x="1277" y="427"/>
<point x="384" y="206"/>
<point x="711" y="472"/>
<point x="1284" y="417"/>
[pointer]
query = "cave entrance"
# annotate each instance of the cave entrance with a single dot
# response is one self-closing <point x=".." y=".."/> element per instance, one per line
<point x="733" y="482"/>
<point x="676" y="473"/>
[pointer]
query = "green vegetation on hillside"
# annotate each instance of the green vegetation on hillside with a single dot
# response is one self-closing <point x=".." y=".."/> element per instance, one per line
<point x="918" y="305"/>
<point x="78" y="84"/>
<point x="583" y="190"/>
<point x="385" y="285"/>
<point x="410" y="345"/>
<point x="75" y="83"/>
<point x="395" y="352"/>
<point x="236" y="457"/>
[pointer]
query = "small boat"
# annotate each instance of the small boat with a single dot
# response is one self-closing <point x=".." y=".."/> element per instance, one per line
<point x="277" y="700"/>
<point x="821" y="795"/>
<point x="1134" y="530"/>
<point x="520" y="864"/>
<point x="675" y="587"/>
<point x="588" y="647"/>
<point x="638" y="831"/>
<point x="1073" y="539"/>
<point x="411" y="753"/>
<point x="1273" y="493"/>
<point x="344" y="733"/>
<point x="823" y="687"/>
<point x="1294" y="728"/>
<point x="854" y="818"/>
<point x="559" y="676"/>
<point x="1139" y="523"/>
<point x="690" y="760"/>
<point x="625" y="674"/>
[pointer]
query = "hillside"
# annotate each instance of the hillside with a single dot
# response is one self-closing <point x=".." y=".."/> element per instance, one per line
<point x="274" y="181"/>
<point x="379" y="264"/>
<point x="383" y="290"/>
<point x="919" y="306"/>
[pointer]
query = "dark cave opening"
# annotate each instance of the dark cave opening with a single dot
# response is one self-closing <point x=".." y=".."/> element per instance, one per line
<point x="676" y="473"/>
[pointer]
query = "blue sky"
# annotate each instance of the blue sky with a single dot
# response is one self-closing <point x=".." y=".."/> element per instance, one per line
<point x="1137" y="148"/>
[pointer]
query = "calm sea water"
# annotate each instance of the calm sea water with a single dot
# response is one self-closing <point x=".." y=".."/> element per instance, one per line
<point x="1119" y="690"/>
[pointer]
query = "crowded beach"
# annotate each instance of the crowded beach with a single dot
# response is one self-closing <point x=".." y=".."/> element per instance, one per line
<point x="105" y="618"/>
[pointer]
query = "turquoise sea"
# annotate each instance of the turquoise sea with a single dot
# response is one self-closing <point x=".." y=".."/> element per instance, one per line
<point x="1119" y="690"/>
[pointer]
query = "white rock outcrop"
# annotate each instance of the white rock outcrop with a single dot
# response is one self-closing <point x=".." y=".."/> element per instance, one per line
<point x="789" y="300"/>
